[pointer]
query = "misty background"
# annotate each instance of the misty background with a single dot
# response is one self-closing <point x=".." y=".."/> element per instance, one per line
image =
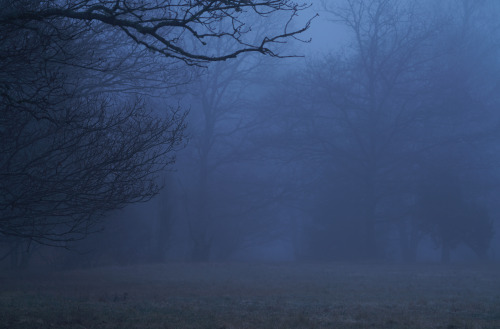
<point x="376" y="137"/>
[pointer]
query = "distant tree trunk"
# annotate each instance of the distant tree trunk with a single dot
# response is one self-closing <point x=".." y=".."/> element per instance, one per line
<point x="14" y="258"/>
<point x="445" y="254"/>
<point x="201" y="250"/>
<point x="408" y="240"/>
<point x="370" y="246"/>
<point x="200" y="224"/>
<point x="371" y="249"/>
<point x="164" y="224"/>
<point x="20" y="254"/>
<point x="297" y="239"/>
<point x="162" y="236"/>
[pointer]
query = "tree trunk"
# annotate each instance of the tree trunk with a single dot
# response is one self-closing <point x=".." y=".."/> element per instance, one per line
<point x="201" y="250"/>
<point x="408" y="237"/>
<point x="370" y="244"/>
<point x="20" y="255"/>
<point x="445" y="254"/>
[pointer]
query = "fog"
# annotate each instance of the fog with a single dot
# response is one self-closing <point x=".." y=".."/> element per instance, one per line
<point x="250" y="164"/>
<point x="370" y="135"/>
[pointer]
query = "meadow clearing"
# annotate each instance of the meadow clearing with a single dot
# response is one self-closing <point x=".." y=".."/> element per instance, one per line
<point x="245" y="295"/>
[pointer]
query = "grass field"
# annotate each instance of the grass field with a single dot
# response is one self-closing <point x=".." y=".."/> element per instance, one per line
<point x="218" y="296"/>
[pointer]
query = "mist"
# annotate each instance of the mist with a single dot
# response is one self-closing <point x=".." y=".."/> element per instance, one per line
<point x="239" y="148"/>
<point x="360" y="146"/>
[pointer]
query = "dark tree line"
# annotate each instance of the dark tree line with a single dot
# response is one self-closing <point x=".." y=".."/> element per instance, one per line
<point x="364" y="153"/>
<point x="405" y="123"/>
<point x="367" y="153"/>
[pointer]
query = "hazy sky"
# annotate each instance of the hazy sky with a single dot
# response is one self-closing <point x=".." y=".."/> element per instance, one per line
<point x="325" y="34"/>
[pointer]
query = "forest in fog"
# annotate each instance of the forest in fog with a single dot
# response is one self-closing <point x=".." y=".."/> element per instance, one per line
<point x="240" y="130"/>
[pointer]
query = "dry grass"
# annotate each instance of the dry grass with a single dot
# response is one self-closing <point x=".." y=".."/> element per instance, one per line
<point x="255" y="296"/>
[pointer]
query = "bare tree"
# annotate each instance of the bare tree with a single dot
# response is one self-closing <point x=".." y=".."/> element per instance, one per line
<point x="370" y="117"/>
<point x="72" y="149"/>
<point x="165" y="26"/>
<point x="223" y="121"/>
<point x="368" y="110"/>
<point x="62" y="172"/>
<point x="78" y="137"/>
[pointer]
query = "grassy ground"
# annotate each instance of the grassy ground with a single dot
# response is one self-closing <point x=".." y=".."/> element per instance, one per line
<point x="218" y="296"/>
